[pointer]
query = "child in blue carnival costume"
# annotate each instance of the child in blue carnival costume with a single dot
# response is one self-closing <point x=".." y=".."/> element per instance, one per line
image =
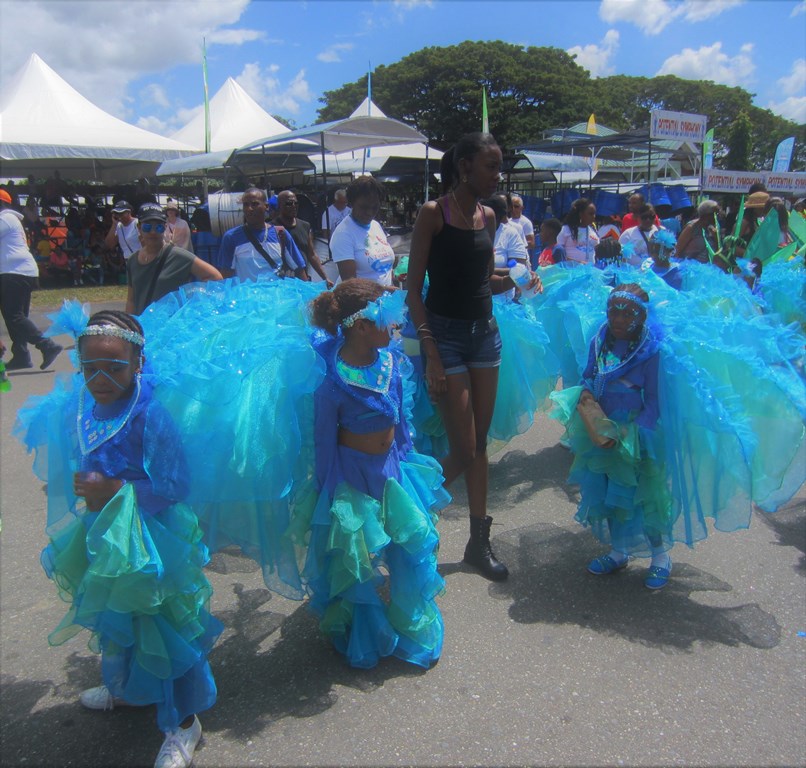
<point x="377" y="497"/>
<point x="124" y="550"/>
<point x="661" y="247"/>
<point x="622" y="479"/>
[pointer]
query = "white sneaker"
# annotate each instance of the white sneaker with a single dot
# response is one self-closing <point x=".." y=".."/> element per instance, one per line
<point x="100" y="698"/>
<point x="179" y="745"/>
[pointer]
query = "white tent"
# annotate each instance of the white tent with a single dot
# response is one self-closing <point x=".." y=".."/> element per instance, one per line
<point x="373" y="159"/>
<point x="46" y="125"/>
<point x="235" y="119"/>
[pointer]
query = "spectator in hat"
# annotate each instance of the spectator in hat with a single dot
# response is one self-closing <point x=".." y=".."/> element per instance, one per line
<point x="177" y="230"/>
<point x="123" y="232"/>
<point x="18" y="278"/>
<point x="156" y="268"/>
<point x="755" y="207"/>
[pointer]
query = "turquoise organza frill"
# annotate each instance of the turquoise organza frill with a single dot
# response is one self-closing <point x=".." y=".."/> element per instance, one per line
<point x="372" y="566"/>
<point x="237" y="373"/>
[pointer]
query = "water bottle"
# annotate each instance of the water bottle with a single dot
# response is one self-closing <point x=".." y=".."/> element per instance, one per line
<point x="521" y="276"/>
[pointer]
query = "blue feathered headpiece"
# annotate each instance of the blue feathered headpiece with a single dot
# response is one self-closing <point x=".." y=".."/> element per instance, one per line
<point x="388" y="310"/>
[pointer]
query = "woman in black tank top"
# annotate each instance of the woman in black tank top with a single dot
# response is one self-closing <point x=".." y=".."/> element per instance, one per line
<point x="459" y="341"/>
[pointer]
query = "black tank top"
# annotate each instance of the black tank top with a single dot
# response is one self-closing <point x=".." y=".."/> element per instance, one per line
<point x="459" y="272"/>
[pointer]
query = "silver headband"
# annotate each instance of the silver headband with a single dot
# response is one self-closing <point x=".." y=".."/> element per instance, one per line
<point x="113" y="330"/>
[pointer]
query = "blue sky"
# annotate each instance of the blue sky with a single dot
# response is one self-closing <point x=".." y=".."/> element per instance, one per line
<point x="141" y="60"/>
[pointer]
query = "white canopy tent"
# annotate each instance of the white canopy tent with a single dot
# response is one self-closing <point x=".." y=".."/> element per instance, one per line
<point x="235" y="119"/>
<point x="47" y="125"/>
<point x="373" y="159"/>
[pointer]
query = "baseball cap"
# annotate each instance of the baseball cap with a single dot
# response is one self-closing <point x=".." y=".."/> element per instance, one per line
<point x="151" y="212"/>
<point x="121" y="206"/>
<point x="5" y="197"/>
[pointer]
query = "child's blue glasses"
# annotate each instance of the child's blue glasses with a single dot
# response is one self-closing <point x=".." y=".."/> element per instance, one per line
<point x="148" y="227"/>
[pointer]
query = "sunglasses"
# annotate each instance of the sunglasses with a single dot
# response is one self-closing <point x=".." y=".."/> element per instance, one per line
<point x="148" y="227"/>
<point x="290" y="203"/>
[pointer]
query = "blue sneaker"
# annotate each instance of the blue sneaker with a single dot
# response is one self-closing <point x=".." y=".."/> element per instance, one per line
<point x="602" y="566"/>
<point x="657" y="577"/>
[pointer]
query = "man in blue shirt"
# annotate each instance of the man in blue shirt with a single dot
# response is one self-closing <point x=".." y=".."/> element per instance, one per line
<point x="254" y="248"/>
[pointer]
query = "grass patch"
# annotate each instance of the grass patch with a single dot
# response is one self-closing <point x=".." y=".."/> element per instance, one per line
<point x="52" y="298"/>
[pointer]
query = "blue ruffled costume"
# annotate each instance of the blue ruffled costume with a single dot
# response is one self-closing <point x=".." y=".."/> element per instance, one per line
<point x="731" y="399"/>
<point x="132" y="572"/>
<point x="624" y="494"/>
<point x="373" y="512"/>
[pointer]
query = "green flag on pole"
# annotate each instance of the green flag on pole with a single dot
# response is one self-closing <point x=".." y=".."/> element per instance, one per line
<point x="485" y="123"/>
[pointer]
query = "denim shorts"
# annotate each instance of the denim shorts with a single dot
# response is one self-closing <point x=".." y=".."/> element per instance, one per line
<point x="464" y="344"/>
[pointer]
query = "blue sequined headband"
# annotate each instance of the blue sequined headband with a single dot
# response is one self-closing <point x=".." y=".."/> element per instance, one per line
<point x="387" y="310"/>
<point x="626" y="295"/>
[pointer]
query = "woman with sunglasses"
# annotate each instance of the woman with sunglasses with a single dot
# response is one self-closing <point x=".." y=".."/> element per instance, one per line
<point x="159" y="268"/>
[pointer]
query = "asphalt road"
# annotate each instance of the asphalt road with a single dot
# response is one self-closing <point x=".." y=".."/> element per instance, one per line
<point x="553" y="667"/>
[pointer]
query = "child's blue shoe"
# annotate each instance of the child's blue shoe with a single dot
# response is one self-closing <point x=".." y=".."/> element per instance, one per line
<point x="601" y="566"/>
<point x="657" y="577"/>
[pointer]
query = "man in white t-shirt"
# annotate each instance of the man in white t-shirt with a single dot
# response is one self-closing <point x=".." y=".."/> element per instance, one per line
<point x="18" y="277"/>
<point x="336" y="213"/>
<point x="124" y="230"/>
<point x="523" y="222"/>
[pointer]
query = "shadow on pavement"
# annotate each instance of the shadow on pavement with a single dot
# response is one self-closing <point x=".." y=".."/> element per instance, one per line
<point x="549" y="584"/>
<point x="514" y="478"/>
<point x="37" y="733"/>
<point x="297" y="676"/>
<point x="789" y="525"/>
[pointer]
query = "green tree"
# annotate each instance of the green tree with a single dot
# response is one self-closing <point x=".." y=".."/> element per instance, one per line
<point x="740" y="143"/>
<point x="286" y="121"/>
<point x="529" y="90"/>
<point x="439" y="91"/>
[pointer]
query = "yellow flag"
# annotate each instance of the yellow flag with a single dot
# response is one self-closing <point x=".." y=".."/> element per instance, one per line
<point x="591" y="130"/>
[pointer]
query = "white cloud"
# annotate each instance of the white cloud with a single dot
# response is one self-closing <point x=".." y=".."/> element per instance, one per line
<point x="408" y="5"/>
<point x="115" y="43"/>
<point x="265" y="87"/>
<point x="652" y="16"/>
<point x="710" y="62"/>
<point x="793" y="108"/>
<point x="155" y="124"/>
<point x="236" y="36"/>
<point x="793" y="86"/>
<point x="794" y="83"/>
<point x="699" y="10"/>
<point x="598" y="59"/>
<point x="333" y="53"/>
<point x="798" y="9"/>
<point x="155" y="94"/>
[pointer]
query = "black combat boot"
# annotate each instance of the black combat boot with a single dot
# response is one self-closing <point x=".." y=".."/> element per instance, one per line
<point x="479" y="553"/>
